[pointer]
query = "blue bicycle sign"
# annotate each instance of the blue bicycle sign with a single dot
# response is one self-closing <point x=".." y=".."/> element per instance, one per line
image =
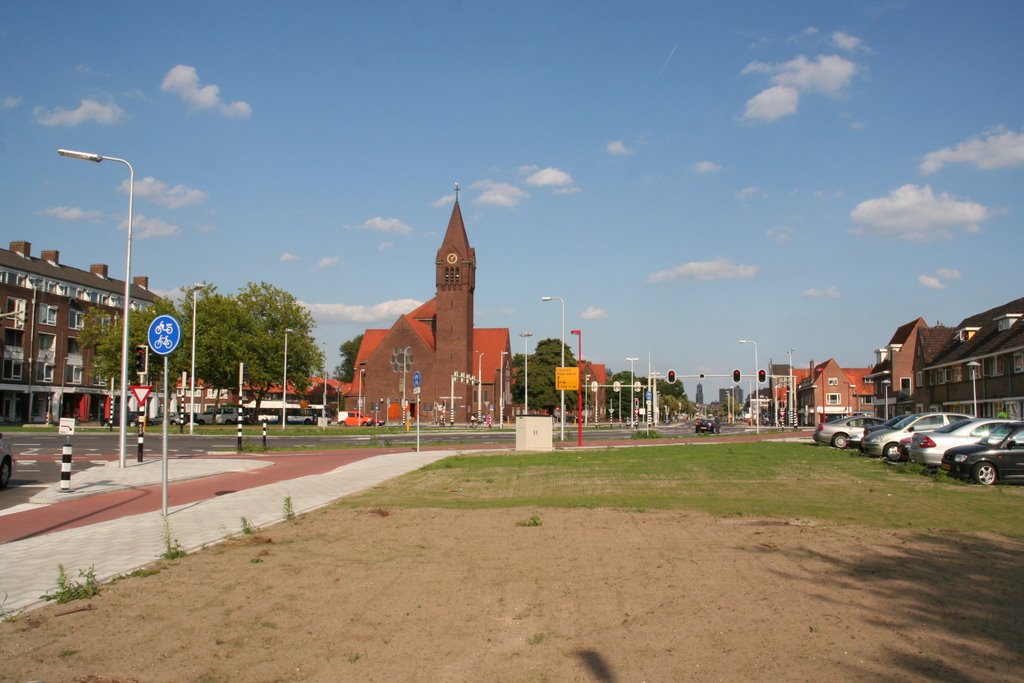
<point x="164" y="334"/>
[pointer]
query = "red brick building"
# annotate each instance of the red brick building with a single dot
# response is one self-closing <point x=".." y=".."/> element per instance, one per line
<point x="464" y="370"/>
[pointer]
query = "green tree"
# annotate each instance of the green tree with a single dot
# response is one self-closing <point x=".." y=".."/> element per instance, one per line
<point x="346" y="370"/>
<point x="543" y="361"/>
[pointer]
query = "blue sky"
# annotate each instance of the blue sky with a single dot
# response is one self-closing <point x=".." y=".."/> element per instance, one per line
<point x="807" y="175"/>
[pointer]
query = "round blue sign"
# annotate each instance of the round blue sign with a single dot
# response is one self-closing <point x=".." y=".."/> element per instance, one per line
<point x="164" y="334"/>
<point x="416" y="379"/>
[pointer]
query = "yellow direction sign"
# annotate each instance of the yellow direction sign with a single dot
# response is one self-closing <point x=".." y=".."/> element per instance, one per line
<point x="567" y="379"/>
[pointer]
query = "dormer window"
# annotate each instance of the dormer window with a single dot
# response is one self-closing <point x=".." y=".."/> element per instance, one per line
<point x="967" y="333"/>
<point x="1006" y="322"/>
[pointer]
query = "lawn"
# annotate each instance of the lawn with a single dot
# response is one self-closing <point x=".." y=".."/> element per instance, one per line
<point x="791" y="481"/>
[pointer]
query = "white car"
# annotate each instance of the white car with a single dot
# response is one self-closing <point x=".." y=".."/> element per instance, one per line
<point x="885" y="443"/>
<point x="927" y="447"/>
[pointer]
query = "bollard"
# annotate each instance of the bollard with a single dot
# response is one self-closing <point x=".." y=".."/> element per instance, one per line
<point x="239" y="430"/>
<point x="142" y="439"/>
<point x="264" y="433"/>
<point x="65" y="468"/>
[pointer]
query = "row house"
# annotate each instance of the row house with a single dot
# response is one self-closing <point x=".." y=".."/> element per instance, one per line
<point x="827" y="390"/>
<point x="46" y="372"/>
<point x="892" y="376"/>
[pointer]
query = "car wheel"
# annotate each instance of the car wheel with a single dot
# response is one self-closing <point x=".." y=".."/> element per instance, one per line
<point x="5" y="473"/>
<point x="984" y="473"/>
<point x="891" y="451"/>
<point x="840" y="440"/>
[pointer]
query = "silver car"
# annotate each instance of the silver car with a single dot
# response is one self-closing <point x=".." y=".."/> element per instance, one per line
<point x="886" y="442"/>
<point x="844" y="431"/>
<point x="927" y="447"/>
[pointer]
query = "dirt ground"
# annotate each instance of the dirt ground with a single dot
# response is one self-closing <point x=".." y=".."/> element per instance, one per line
<point x="585" y="595"/>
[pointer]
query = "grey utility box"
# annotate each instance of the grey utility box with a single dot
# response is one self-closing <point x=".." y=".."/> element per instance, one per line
<point x="534" y="434"/>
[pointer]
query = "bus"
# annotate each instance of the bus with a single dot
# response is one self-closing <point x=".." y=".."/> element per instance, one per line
<point x="295" y="414"/>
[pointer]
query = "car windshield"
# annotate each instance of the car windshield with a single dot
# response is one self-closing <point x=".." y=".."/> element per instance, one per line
<point x="953" y="426"/>
<point x="998" y="433"/>
<point x="903" y="422"/>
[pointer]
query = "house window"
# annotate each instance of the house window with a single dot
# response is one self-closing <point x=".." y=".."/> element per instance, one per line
<point x="955" y="373"/>
<point x="12" y="337"/>
<point x="17" y="306"/>
<point x="76" y="318"/>
<point x="832" y="399"/>
<point x="47" y="314"/>
<point x="73" y="374"/>
<point x="13" y="369"/>
<point x="905" y="385"/>
<point x="44" y="372"/>
<point x="833" y="381"/>
<point x="1018" y="361"/>
<point x="920" y="378"/>
<point x="993" y="366"/>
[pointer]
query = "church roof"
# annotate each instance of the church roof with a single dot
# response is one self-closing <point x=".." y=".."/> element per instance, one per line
<point x="455" y="237"/>
<point x="490" y="341"/>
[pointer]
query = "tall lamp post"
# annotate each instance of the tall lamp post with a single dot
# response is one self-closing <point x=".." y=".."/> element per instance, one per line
<point x="579" y="393"/>
<point x="632" y="404"/>
<point x="561" y="399"/>
<point x="526" y="372"/>
<point x="885" y="385"/>
<point x="501" y="399"/>
<point x="192" y="371"/>
<point x="480" y="387"/>
<point x="757" y="392"/>
<point x="123" y="410"/>
<point x="284" y="382"/>
<point x="974" y="365"/>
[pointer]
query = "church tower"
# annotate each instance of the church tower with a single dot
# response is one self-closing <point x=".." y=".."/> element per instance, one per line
<point x="455" y="279"/>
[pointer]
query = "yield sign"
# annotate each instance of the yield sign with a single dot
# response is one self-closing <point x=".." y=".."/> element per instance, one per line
<point x="141" y="393"/>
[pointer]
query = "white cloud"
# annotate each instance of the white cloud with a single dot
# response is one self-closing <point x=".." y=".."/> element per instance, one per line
<point x="387" y="310"/>
<point x="748" y="192"/>
<point x="594" y="313"/>
<point x="845" y="41"/>
<point x="10" y="102"/>
<point x="549" y="177"/>
<point x="916" y="213"/>
<point x="379" y="224"/>
<point x="384" y="246"/>
<point x="88" y="110"/>
<point x="948" y="273"/>
<point x="827" y="74"/>
<point x="498" y="194"/>
<point x="718" y="269"/>
<point x="145" y="228"/>
<point x="706" y="167"/>
<point x="183" y="81"/>
<point x="773" y="103"/>
<point x="287" y="257"/>
<point x="70" y="214"/>
<point x="829" y="293"/>
<point x="998" y="149"/>
<point x="159" y="193"/>
<point x="931" y="282"/>
<point x="779" y="234"/>
<point x="327" y="262"/>
<point x="446" y="200"/>
<point x="617" y="147"/>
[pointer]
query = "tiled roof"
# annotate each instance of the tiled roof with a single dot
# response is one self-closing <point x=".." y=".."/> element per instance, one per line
<point x="988" y="339"/>
<point x="491" y="342"/>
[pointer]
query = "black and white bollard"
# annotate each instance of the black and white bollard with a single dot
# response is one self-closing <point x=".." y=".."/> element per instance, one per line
<point x="142" y="439"/>
<point x="264" y="433"/>
<point x="239" y="430"/>
<point x="65" y="468"/>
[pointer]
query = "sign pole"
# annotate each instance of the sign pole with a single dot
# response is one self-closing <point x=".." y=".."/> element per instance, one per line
<point x="164" y="336"/>
<point x="167" y="405"/>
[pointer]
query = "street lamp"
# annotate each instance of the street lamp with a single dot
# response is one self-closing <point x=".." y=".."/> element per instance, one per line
<point x="359" y="399"/>
<point x="192" y="372"/>
<point x="123" y="411"/>
<point x="631" y="360"/>
<point x="284" y="383"/>
<point x="526" y="372"/>
<point x="562" y="392"/>
<point x="579" y="392"/>
<point x="885" y="384"/>
<point x="974" y="365"/>
<point x="757" y="392"/>
<point x="480" y="387"/>
<point x="501" y="400"/>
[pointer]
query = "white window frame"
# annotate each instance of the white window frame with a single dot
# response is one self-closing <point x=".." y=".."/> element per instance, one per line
<point x="48" y="315"/>
<point x="833" y="399"/>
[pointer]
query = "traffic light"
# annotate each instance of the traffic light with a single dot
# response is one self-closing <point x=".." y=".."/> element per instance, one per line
<point x="736" y="376"/>
<point x="671" y="376"/>
<point x="141" y="359"/>
<point x="761" y="376"/>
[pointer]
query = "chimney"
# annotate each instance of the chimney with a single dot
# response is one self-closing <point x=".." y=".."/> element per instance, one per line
<point x="53" y="256"/>
<point x="99" y="269"/>
<point x="141" y="281"/>
<point x="22" y="248"/>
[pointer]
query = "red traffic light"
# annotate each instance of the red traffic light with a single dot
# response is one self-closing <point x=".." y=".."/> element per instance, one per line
<point x="761" y="376"/>
<point x="671" y="376"/>
<point x="736" y="376"/>
<point x="141" y="359"/>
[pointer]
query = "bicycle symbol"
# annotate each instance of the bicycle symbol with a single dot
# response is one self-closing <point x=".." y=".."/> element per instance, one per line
<point x="164" y="326"/>
<point x="162" y="342"/>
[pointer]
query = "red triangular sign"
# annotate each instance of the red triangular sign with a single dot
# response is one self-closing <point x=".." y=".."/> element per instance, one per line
<point x="141" y="393"/>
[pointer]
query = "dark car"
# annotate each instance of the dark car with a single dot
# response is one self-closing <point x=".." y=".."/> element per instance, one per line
<point x="997" y="457"/>
<point x="706" y="424"/>
<point x="6" y="463"/>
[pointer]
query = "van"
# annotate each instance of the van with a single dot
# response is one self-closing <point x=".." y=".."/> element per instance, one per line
<point x="218" y="415"/>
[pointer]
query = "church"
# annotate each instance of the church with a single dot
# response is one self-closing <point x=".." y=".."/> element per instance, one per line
<point x="464" y="371"/>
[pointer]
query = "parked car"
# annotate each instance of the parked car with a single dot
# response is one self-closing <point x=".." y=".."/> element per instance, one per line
<point x="886" y="442"/>
<point x="883" y="425"/>
<point x="354" y="418"/>
<point x="928" y="448"/>
<point x="998" y="457"/>
<point x="844" y="431"/>
<point x="706" y="425"/>
<point x="6" y="463"/>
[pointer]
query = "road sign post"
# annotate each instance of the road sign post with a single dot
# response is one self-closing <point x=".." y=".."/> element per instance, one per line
<point x="164" y="336"/>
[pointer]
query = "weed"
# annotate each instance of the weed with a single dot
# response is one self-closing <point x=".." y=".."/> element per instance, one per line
<point x="289" y="511"/>
<point x="536" y="639"/>
<point x="5" y="616"/>
<point x="644" y="434"/>
<point x="172" y="546"/>
<point x="247" y="528"/>
<point x="354" y="657"/>
<point x="142" y="572"/>
<point x="534" y="520"/>
<point x="68" y="590"/>
<point x="256" y="560"/>
<point x="68" y="653"/>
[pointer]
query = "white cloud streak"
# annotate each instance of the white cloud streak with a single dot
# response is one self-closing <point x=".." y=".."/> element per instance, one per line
<point x="916" y="213"/>
<point x="183" y="81"/>
<point x="158" y="192"/>
<point x="498" y="194"/>
<point x="384" y="311"/>
<point x="717" y="269"/>
<point x="380" y="224"/>
<point x="828" y="293"/>
<point x="996" y="149"/>
<point x="826" y="74"/>
<point x="617" y="147"/>
<point x="71" y="214"/>
<point x="705" y="166"/>
<point x="594" y="313"/>
<point x="88" y="111"/>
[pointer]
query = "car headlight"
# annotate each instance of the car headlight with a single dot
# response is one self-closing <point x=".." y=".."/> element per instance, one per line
<point x="960" y="457"/>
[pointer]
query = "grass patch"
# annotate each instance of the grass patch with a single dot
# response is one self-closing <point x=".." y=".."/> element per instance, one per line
<point x="763" y="479"/>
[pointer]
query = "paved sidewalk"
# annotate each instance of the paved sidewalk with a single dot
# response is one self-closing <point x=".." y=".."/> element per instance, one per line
<point x="28" y="568"/>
